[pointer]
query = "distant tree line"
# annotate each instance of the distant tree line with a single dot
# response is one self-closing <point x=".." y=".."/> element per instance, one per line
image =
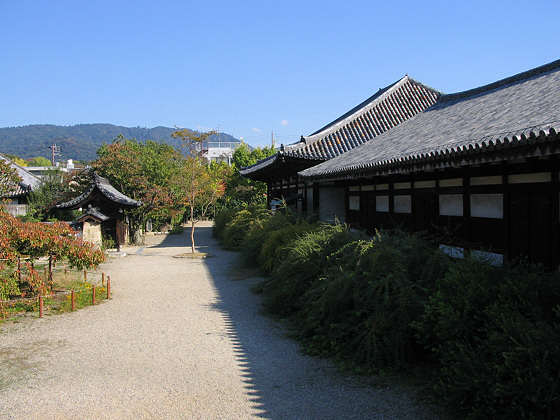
<point x="80" y="142"/>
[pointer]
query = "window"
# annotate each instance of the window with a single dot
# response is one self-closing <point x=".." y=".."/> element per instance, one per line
<point x="382" y="203"/>
<point x="354" y="202"/>
<point x="451" y="205"/>
<point x="403" y="204"/>
<point x="487" y="205"/>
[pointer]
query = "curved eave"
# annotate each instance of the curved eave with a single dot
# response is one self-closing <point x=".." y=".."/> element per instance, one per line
<point x="275" y="166"/>
<point x="457" y="154"/>
<point x="107" y="190"/>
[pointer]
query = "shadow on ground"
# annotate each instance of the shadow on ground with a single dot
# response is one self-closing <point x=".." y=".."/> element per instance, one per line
<point x="279" y="380"/>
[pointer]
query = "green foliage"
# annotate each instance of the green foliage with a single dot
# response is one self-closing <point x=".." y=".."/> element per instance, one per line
<point x="396" y="302"/>
<point x="40" y="161"/>
<point x="142" y="171"/>
<point x="496" y="332"/>
<point x="56" y="187"/>
<point x="303" y="265"/>
<point x="362" y="307"/>
<point x="9" y="179"/>
<point x="241" y="224"/>
<point x="221" y="221"/>
<point x="240" y="190"/>
<point x="264" y="244"/>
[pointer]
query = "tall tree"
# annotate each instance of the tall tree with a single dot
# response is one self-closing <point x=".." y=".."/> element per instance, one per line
<point x="198" y="184"/>
<point x="141" y="170"/>
<point x="240" y="190"/>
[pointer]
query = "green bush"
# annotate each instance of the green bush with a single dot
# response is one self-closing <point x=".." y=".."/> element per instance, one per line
<point x="278" y="242"/>
<point x="221" y="221"/>
<point x="302" y="265"/>
<point x="240" y="226"/>
<point x="495" y="331"/>
<point x="362" y="308"/>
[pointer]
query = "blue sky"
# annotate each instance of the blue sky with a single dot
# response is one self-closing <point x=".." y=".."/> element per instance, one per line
<point x="251" y="68"/>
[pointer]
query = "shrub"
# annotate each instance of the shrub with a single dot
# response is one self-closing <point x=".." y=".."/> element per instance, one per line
<point x="241" y="224"/>
<point x="278" y="242"/>
<point x="302" y="265"/>
<point x="221" y="221"/>
<point x="495" y="331"/>
<point x="267" y="246"/>
<point x="362" y="308"/>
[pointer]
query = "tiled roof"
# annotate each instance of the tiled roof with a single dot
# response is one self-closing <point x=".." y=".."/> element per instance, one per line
<point x="511" y="112"/>
<point x="384" y="110"/>
<point x="93" y="212"/>
<point x="28" y="180"/>
<point x="103" y="185"/>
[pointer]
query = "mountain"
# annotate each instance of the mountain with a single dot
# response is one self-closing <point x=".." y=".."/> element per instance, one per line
<point x="80" y="142"/>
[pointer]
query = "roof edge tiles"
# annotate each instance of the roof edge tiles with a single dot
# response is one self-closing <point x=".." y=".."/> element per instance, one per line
<point x="110" y="192"/>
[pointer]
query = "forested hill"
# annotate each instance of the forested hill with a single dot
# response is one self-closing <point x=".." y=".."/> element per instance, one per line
<point x="79" y="142"/>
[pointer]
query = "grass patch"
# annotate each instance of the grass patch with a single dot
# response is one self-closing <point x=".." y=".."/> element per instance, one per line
<point x="60" y="300"/>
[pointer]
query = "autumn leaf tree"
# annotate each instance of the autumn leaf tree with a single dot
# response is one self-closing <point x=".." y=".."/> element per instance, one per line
<point x="197" y="184"/>
<point x="32" y="240"/>
<point x="142" y="171"/>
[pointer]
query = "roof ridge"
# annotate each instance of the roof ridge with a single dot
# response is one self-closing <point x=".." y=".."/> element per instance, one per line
<point x="377" y="98"/>
<point x="529" y="74"/>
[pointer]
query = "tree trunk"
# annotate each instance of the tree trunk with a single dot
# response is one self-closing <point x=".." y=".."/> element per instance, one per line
<point x="192" y="228"/>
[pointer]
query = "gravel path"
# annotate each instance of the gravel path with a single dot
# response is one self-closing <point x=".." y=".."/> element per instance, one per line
<point x="180" y="339"/>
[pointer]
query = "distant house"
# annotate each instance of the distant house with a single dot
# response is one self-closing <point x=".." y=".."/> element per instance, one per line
<point x="383" y="111"/>
<point x="482" y="164"/>
<point x="40" y="171"/>
<point x="18" y="198"/>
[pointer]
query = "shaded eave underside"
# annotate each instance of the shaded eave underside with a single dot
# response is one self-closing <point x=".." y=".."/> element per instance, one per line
<point x="275" y="166"/>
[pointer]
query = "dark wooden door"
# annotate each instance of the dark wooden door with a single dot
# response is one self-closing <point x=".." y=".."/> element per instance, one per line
<point x="531" y="229"/>
<point x="425" y="212"/>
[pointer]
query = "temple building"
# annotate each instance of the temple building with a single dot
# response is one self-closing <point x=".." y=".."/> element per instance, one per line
<point x="103" y="208"/>
<point x="388" y="108"/>
<point x="480" y="168"/>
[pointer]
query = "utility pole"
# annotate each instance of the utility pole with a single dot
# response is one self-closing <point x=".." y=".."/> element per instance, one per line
<point x="272" y="140"/>
<point x="55" y="152"/>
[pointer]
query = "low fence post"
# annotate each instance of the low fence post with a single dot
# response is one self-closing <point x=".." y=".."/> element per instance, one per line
<point x="108" y="286"/>
<point x="73" y="297"/>
<point x="102" y="279"/>
<point x="40" y="306"/>
<point x="85" y="276"/>
<point x="93" y="295"/>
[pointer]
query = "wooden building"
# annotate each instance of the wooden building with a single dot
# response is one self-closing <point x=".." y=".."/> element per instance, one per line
<point x="103" y="206"/>
<point x="483" y="165"/>
<point x="386" y="109"/>
<point x="18" y="197"/>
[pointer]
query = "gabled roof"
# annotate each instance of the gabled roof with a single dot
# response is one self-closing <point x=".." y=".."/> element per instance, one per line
<point x="381" y="112"/>
<point x="512" y="112"/>
<point x="93" y="213"/>
<point x="28" y="181"/>
<point x="106" y="189"/>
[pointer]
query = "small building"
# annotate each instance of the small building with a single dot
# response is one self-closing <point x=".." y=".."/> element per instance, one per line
<point x="482" y="165"/>
<point x="18" y="199"/>
<point x="388" y="108"/>
<point x="103" y="209"/>
<point x="91" y="225"/>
